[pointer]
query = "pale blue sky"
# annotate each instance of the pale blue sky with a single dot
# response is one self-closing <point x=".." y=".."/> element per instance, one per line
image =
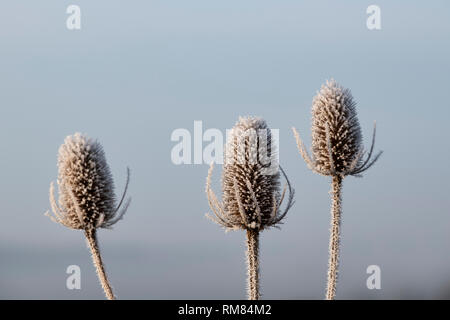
<point x="138" y="70"/>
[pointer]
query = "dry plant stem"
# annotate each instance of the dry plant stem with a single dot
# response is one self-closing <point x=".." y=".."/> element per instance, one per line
<point x="91" y="237"/>
<point x="253" y="264"/>
<point x="336" y="188"/>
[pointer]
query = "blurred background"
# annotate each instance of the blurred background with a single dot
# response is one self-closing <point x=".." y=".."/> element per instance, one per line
<point x="136" y="71"/>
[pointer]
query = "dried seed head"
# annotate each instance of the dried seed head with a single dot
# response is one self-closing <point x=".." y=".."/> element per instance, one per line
<point x="245" y="185"/>
<point x="337" y="147"/>
<point x="251" y="188"/>
<point x="86" y="188"/>
<point x="336" y="134"/>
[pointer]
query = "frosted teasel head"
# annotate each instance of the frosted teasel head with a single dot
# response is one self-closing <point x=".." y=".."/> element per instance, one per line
<point x="86" y="188"/>
<point x="251" y="189"/>
<point x="337" y="147"/>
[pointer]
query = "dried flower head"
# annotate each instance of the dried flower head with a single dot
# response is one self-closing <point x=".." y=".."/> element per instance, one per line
<point x="337" y="147"/>
<point x="86" y="188"/>
<point x="337" y="151"/>
<point x="251" y="189"/>
<point x="250" y="179"/>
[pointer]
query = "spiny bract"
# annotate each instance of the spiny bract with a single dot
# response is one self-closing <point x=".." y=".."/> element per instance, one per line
<point x="250" y="179"/>
<point x="86" y="188"/>
<point x="337" y="147"/>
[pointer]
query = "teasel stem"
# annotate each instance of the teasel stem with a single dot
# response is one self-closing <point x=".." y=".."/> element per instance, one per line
<point x="253" y="264"/>
<point x="333" y="263"/>
<point x="91" y="236"/>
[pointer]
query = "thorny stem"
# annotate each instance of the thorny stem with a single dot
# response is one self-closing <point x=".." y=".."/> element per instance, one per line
<point x="92" y="241"/>
<point x="336" y="186"/>
<point x="253" y="264"/>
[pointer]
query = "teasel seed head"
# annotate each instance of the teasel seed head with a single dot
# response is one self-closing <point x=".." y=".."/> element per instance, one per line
<point x="250" y="180"/>
<point x="337" y="148"/>
<point x="86" y="189"/>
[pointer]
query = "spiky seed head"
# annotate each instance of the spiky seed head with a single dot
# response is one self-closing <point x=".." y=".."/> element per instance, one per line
<point x="244" y="177"/>
<point x="86" y="188"/>
<point x="250" y="179"/>
<point x="336" y="134"/>
<point x="337" y="148"/>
